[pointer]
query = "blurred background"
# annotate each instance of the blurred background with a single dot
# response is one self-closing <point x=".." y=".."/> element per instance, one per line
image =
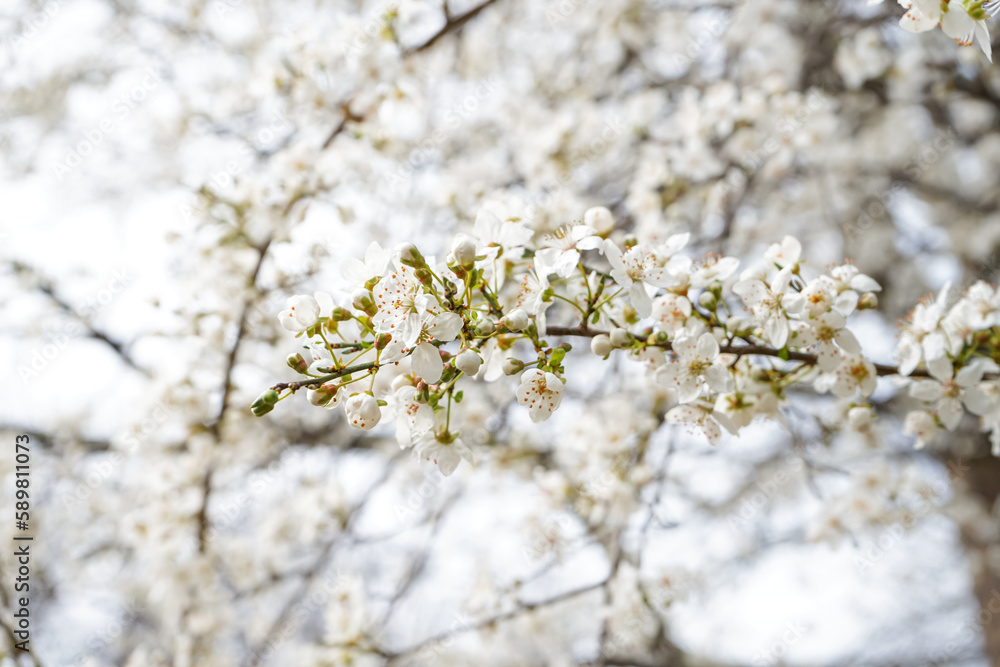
<point x="173" y="171"/>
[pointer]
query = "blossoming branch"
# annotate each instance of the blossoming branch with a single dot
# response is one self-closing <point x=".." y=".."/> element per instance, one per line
<point x="727" y="347"/>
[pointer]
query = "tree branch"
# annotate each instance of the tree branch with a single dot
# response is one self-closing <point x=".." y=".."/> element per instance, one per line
<point x="744" y="350"/>
<point x="451" y="24"/>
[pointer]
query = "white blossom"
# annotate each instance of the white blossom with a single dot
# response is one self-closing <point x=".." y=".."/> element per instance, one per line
<point x="949" y="391"/>
<point x="710" y="421"/>
<point x="359" y="272"/>
<point x="561" y="253"/>
<point x="698" y="365"/>
<point x="771" y="304"/>
<point x="540" y="392"/>
<point x="302" y="313"/>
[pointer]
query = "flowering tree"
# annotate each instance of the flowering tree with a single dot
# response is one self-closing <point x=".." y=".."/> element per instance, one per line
<point x="585" y="261"/>
<point x="418" y="307"/>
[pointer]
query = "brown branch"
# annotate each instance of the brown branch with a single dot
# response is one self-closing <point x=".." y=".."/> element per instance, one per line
<point x="451" y="24"/>
<point x="349" y="116"/>
<point x="744" y="350"/>
<point x="295" y="386"/>
<point x="498" y="618"/>
<point x="46" y="287"/>
<point x="227" y="387"/>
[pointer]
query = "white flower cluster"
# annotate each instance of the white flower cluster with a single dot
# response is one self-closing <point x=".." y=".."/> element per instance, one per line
<point x="962" y="20"/>
<point x="414" y="326"/>
<point x="959" y="348"/>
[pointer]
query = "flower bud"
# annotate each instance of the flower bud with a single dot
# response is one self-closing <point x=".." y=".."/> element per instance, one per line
<point x="464" y="250"/>
<point x="363" y="300"/>
<point x="516" y="320"/>
<point x="868" y="301"/>
<point x="340" y="314"/>
<point x="382" y="341"/>
<point x="512" y="366"/>
<point x="860" y="417"/>
<point x="707" y="300"/>
<point x="485" y="327"/>
<point x="425" y="277"/>
<point x="600" y="219"/>
<point x="325" y="395"/>
<point x="410" y="256"/>
<point x="264" y="403"/>
<point x="601" y="345"/>
<point x="468" y="362"/>
<point x="734" y="324"/>
<point x="619" y="337"/>
<point x="297" y="363"/>
<point x="363" y="411"/>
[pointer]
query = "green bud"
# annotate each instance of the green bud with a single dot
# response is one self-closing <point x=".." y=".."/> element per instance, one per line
<point x="362" y="300"/>
<point x="297" y="363"/>
<point x="425" y="277"/>
<point x="264" y="403"/>
<point x="410" y="256"/>
<point x="260" y="409"/>
<point x="382" y="341"/>
<point x="340" y="314"/>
